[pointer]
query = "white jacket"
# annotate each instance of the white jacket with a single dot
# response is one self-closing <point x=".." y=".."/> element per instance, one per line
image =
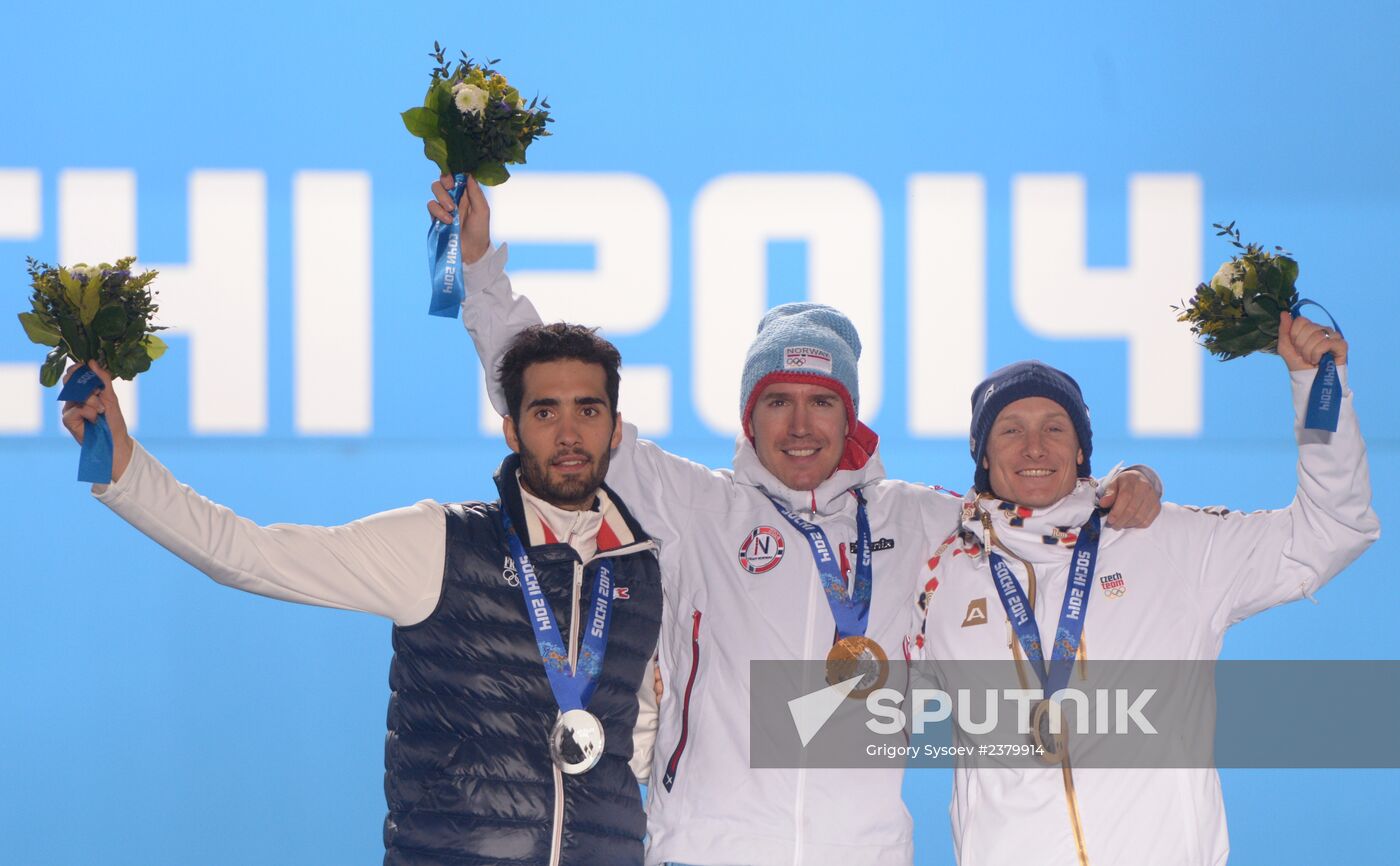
<point x="1166" y="592"/>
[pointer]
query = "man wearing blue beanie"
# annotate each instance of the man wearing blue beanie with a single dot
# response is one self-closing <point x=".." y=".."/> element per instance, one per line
<point x="805" y="550"/>
<point x="1017" y="382"/>
<point x="1089" y="596"/>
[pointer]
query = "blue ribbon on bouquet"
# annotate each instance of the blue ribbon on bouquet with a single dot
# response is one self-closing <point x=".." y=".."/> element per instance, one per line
<point x="95" y="461"/>
<point x="1325" y="399"/>
<point x="445" y="258"/>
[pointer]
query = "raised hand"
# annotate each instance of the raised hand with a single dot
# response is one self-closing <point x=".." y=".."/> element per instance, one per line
<point x="1302" y="343"/>
<point x="476" y="215"/>
<point x="102" y="401"/>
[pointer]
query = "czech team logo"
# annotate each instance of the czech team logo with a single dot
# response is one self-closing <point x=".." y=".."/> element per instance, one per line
<point x="1113" y="585"/>
<point x="762" y="550"/>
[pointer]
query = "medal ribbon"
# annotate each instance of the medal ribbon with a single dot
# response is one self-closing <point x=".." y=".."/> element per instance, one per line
<point x="95" y="461"/>
<point x="572" y="689"/>
<point x="445" y="258"/>
<point x="1325" y="399"/>
<point x="1072" y="610"/>
<point x="850" y="610"/>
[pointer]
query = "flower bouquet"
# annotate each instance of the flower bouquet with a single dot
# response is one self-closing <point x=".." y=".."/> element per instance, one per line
<point x="472" y="122"/>
<point x="1237" y="313"/>
<point x="101" y="314"/>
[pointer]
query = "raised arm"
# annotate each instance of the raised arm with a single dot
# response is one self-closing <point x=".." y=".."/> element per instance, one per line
<point x="1247" y="563"/>
<point x="388" y="564"/>
<point x="659" y="487"/>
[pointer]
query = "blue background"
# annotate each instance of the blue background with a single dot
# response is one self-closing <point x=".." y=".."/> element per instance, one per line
<point x="152" y="717"/>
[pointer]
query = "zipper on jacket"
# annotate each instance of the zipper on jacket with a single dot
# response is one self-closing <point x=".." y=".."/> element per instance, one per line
<point x="669" y="779"/>
<point x="556" y="842"/>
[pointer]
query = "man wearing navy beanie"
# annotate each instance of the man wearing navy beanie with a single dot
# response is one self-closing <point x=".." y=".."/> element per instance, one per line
<point x="1016" y="382"/>
<point x="1166" y="592"/>
<point x="758" y="563"/>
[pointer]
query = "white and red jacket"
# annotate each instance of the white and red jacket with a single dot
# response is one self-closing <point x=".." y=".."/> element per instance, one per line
<point x="1165" y="592"/>
<point x="741" y="584"/>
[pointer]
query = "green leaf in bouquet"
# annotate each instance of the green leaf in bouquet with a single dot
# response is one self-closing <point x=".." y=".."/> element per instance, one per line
<point x="38" y="330"/>
<point x="436" y="150"/>
<point x="1262" y="308"/>
<point x="439" y="97"/>
<point x="132" y="360"/>
<point x="491" y="174"/>
<point x="135" y="329"/>
<point x="422" y="122"/>
<point x="75" y="340"/>
<point x="91" y="300"/>
<point x="110" y="322"/>
<point x="52" y="370"/>
<point x="1288" y="268"/>
<point x="122" y="364"/>
<point x="72" y="288"/>
<point x="155" y="346"/>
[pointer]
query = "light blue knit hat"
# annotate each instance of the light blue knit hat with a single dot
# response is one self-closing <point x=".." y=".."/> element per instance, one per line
<point x="801" y="340"/>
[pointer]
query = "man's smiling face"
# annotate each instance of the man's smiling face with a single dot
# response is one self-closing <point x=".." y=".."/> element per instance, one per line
<point x="799" y="432"/>
<point x="1033" y="454"/>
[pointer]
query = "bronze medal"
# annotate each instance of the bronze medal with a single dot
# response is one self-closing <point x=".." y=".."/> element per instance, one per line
<point x="1053" y="744"/>
<point x="858" y="655"/>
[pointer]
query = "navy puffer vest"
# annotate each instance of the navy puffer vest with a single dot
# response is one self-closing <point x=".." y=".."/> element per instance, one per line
<point x="468" y="776"/>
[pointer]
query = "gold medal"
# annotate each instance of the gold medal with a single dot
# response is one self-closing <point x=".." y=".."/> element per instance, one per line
<point x="858" y="655"/>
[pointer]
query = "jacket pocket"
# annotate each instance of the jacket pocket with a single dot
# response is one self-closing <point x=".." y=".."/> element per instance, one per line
<point x="668" y="779"/>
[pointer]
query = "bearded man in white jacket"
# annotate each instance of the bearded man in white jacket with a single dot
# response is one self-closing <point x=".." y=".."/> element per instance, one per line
<point x="1002" y="587"/>
<point x="757" y="562"/>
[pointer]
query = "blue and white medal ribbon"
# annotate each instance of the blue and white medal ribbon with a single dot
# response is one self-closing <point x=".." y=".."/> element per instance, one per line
<point x="1068" y="632"/>
<point x="95" y="461"/>
<point x="1072" y="610"/>
<point x="1325" y="399"/>
<point x="576" y="742"/>
<point x="445" y="258"/>
<point x="852" y="653"/>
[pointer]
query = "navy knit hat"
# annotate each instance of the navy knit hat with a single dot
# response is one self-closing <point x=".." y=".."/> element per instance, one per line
<point x="1017" y="381"/>
<point x="799" y="341"/>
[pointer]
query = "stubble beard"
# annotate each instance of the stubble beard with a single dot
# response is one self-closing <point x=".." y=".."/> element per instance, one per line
<point x="569" y="493"/>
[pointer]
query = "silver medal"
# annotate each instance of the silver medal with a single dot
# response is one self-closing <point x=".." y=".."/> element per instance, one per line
<point x="576" y="743"/>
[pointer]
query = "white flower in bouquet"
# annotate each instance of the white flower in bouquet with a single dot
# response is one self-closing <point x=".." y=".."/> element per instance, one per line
<point x="1235" y="277"/>
<point x="470" y="99"/>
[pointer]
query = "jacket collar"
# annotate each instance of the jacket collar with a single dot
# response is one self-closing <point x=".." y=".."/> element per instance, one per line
<point x="832" y="495"/>
<point x="1037" y="535"/>
<point x="619" y="529"/>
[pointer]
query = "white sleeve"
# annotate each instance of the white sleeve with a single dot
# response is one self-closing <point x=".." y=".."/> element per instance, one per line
<point x="389" y="563"/>
<point x="1246" y="563"/>
<point x="644" y="734"/>
<point x="493" y="314"/>
<point x="658" y="487"/>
